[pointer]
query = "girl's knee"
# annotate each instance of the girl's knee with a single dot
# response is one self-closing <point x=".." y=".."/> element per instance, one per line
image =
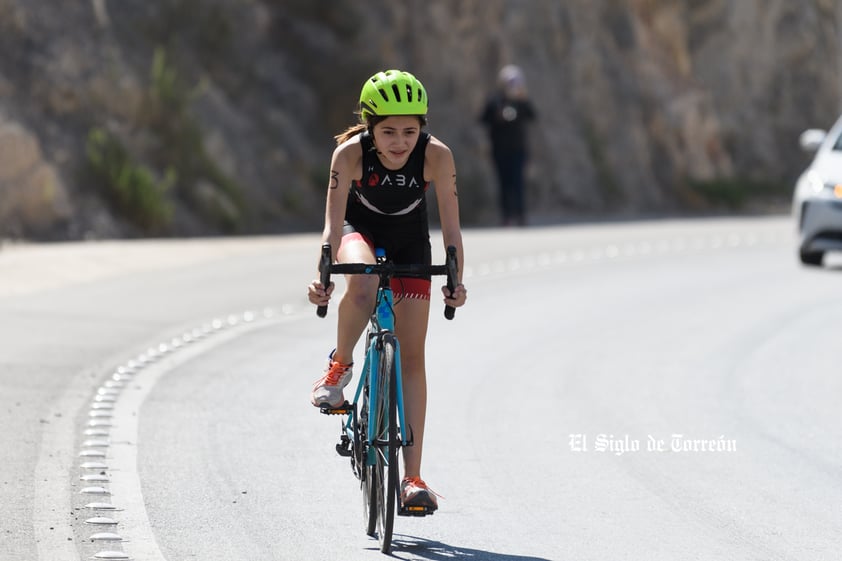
<point x="361" y="291"/>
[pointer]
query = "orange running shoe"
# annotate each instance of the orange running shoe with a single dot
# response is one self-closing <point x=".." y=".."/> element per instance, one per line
<point x="414" y="492"/>
<point x="328" y="389"/>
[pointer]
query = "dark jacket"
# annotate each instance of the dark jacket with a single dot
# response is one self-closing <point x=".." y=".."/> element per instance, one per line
<point x="507" y="120"/>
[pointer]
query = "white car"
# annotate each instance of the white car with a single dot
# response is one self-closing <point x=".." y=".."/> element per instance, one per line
<point x="817" y="203"/>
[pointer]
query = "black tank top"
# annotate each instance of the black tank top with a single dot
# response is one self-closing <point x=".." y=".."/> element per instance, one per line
<point x="385" y="192"/>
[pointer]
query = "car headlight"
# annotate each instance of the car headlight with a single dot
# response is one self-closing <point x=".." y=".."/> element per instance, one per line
<point x="814" y="182"/>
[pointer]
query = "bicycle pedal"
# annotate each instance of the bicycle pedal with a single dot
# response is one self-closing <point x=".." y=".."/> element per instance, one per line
<point x="415" y="511"/>
<point x="344" y="409"/>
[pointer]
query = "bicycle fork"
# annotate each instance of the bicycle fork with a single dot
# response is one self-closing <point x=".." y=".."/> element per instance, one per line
<point x="372" y="370"/>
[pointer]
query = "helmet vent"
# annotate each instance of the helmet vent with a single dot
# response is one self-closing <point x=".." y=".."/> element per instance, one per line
<point x="383" y="93"/>
<point x="397" y="93"/>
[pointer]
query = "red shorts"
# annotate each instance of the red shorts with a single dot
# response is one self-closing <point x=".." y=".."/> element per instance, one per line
<point x="402" y="287"/>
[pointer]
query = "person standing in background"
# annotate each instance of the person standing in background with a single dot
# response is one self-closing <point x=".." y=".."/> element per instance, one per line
<point x="506" y="114"/>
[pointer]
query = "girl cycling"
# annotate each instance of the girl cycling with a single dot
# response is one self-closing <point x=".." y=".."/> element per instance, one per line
<point x="379" y="175"/>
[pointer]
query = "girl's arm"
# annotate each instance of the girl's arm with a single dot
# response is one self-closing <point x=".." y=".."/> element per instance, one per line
<point x="442" y="172"/>
<point x="345" y="166"/>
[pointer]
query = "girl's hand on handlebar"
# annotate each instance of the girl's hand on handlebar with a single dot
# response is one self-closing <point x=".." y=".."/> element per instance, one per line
<point x="458" y="298"/>
<point x="317" y="294"/>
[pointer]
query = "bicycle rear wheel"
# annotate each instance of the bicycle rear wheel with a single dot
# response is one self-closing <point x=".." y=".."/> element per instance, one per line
<point x="381" y="484"/>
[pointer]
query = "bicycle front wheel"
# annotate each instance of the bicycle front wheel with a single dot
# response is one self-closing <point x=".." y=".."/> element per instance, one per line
<point x="382" y="476"/>
<point x="371" y="476"/>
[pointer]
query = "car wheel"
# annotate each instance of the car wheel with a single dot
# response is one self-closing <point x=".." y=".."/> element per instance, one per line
<point x="812" y="258"/>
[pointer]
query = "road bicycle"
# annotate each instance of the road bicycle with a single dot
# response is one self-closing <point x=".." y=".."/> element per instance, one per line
<point x="375" y="427"/>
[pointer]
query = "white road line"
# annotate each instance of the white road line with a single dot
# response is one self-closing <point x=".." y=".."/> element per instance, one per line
<point x="113" y="419"/>
<point x="640" y="250"/>
<point x="126" y="486"/>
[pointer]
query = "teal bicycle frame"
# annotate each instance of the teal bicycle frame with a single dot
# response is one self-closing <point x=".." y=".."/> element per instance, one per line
<point x="382" y="323"/>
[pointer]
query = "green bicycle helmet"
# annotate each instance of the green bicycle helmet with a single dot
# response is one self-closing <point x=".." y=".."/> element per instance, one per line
<point x="393" y="92"/>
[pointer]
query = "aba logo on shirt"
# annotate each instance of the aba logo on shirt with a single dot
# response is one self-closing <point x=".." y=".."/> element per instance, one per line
<point x="392" y="180"/>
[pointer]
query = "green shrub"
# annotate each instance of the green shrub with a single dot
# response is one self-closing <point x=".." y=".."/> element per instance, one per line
<point x="181" y="146"/>
<point x="130" y="188"/>
<point x="606" y="180"/>
<point x="734" y="193"/>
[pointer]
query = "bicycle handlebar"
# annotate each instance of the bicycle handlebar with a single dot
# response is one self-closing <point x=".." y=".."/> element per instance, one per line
<point x="449" y="269"/>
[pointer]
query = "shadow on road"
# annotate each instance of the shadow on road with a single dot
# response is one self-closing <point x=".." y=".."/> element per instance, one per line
<point x="418" y="548"/>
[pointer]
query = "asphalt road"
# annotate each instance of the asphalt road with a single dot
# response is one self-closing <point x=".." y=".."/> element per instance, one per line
<point x="651" y="390"/>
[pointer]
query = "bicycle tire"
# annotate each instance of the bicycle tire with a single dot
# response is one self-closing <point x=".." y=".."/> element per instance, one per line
<point x="380" y="481"/>
<point x="390" y="491"/>
<point x="369" y="478"/>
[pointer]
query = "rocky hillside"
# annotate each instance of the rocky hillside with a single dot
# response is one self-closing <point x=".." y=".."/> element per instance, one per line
<point x="188" y="117"/>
